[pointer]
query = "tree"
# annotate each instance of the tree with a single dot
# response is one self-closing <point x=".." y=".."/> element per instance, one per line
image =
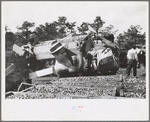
<point x="64" y="27"/>
<point x="6" y="28"/>
<point x="83" y="28"/>
<point x="25" y="29"/>
<point x="62" y="20"/>
<point x="70" y="26"/>
<point x="109" y="29"/>
<point x="9" y="39"/>
<point x="131" y="37"/>
<point x="98" y="23"/>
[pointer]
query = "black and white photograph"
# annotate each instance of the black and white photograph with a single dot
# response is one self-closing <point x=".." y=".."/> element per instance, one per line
<point x="75" y="60"/>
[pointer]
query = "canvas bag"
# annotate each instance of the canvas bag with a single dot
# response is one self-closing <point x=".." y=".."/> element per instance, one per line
<point x="106" y="61"/>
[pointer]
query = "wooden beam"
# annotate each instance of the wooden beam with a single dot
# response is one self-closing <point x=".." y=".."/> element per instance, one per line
<point x="10" y="69"/>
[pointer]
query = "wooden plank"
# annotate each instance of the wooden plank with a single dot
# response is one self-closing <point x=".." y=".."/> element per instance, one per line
<point x="18" y="50"/>
<point x="41" y="73"/>
<point x="7" y="65"/>
<point x="41" y="80"/>
<point x="10" y="69"/>
<point x="15" y="59"/>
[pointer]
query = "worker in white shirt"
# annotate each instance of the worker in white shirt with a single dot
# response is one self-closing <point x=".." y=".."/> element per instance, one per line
<point x="138" y="50"/>
<point x="132" y="60"/>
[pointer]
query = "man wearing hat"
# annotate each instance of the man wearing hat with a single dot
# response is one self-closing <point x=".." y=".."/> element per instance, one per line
<point x="67" y="63"/>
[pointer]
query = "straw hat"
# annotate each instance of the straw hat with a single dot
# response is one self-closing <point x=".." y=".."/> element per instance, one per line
<point x="55" y="46"/>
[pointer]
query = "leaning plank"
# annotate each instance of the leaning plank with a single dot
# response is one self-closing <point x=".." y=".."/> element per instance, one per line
<point x="10" y="69"/>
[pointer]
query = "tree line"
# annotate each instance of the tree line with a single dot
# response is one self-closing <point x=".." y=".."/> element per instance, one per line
<point x="62" y="28"/>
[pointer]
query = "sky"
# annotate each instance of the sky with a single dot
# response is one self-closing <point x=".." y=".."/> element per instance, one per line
<point x="119" y="14"/>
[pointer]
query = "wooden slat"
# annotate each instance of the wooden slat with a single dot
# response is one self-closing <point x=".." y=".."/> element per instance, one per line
<point x="10" y="69"/>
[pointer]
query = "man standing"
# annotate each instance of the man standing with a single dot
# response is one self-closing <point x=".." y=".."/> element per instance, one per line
<point x="132" y="60"/>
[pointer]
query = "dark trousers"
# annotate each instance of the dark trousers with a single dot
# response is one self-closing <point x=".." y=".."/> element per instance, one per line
<point x="131" y="64"/>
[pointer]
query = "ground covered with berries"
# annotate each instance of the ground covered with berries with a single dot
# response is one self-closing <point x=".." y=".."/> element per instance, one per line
<point x="88" y="88"/>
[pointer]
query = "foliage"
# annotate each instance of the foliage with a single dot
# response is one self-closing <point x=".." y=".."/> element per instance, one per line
<point x="83" y="28"/>
<point x="6" y="28"/>
<point x="54" y="30"/>
<point x="98" y="23"/>
<point x="25" y="29"/>
<point x="133" y="36"/>
<point x="109" y="29"/>
<point x="10" y="39"/>
<point x="62" y="28"/>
